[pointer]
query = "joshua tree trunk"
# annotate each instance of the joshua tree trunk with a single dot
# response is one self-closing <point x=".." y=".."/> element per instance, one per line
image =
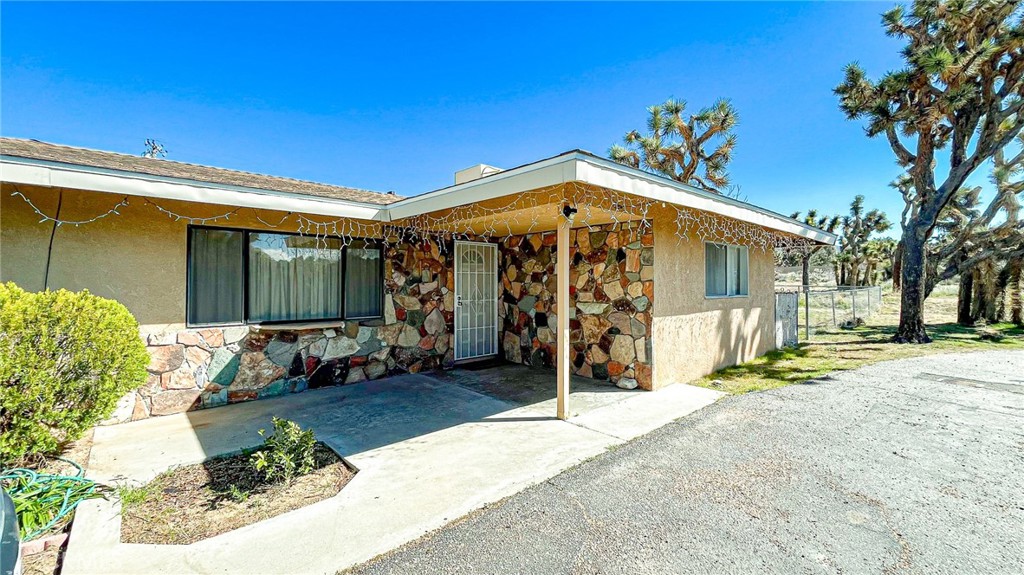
<point x="978" y="297"/>
<point x="989" y="282"/>
<point x="963" y="299"/>
<point x="911" y="328"/>
<point x="1016" y="315"/>
<point x="897" y="266"/>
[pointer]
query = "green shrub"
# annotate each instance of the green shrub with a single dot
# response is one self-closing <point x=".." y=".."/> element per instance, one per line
<point x="286" y="454"/>
<point x="65" y="360"/>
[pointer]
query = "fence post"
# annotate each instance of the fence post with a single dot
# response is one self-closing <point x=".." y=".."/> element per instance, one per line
<point x="854" y="292"/>
<point x="807" y="312"/>
<point x="869" y="302"/>
<point x="833" y="294"/>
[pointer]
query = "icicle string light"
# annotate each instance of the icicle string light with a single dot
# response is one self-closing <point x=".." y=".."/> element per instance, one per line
<point x="517" y="215"/>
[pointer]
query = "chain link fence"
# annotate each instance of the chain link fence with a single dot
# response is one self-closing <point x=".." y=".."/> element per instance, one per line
<point x="828" y="309"/>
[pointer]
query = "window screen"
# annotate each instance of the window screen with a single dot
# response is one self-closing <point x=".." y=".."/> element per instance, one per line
<point x="294" y="278"/>
<point x="364" y="283"/>
<point x="725" y="270"/>
<point x="215" y="288"/>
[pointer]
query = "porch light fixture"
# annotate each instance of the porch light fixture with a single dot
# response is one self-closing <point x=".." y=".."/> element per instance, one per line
<point x="569" y="212"/>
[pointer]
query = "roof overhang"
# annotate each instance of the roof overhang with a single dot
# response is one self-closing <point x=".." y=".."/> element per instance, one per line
<point x="569" y="167"/>
<point x="53" y="174"/>
<point x="588" y="169"/>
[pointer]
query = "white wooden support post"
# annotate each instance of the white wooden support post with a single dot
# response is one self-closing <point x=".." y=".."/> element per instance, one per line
<point x="562" y="310"/>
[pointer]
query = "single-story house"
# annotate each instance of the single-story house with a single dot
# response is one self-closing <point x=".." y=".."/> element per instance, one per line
<point x="249" y="286"/>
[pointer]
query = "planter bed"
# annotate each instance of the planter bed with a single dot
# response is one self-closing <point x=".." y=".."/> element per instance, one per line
<point x="193" y="502"/>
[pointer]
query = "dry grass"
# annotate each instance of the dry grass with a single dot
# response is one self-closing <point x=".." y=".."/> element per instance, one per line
<point x="194" y="502"/>
<point x="839" y="350"/>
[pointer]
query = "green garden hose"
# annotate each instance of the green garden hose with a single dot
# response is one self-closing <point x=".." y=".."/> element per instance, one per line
<point x="44" y="500"/>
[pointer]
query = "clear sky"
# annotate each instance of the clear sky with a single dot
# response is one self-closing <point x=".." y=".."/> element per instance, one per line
<point x="400" y="96"/>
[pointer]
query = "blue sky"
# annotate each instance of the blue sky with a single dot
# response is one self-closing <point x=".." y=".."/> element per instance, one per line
<point x="400" y="96"/>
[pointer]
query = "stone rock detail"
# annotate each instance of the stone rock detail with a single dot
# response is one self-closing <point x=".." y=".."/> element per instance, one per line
<point x="208" y="367"/>
<point x="612" y="293"/>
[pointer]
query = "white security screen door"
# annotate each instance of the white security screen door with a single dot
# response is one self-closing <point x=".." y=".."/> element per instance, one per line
<point x="476" y="300"/>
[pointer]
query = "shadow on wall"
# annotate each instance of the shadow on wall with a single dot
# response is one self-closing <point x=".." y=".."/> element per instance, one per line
<point x="694" y="345"/>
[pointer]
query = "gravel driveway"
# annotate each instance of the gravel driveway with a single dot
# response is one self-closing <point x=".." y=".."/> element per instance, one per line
<point x="909" y="466"/>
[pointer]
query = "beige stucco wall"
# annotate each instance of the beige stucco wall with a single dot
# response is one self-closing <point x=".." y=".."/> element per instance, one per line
<point x="694" y="335"/>
<point x="137" y="257"/>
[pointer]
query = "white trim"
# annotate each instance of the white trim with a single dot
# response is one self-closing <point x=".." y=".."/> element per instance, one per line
<point x="588" y="169"/>
<point x="29" y="172"/>
<point x="609" y="174"/>
<point x="569" y="167"/>
<point x="557" y="170"/>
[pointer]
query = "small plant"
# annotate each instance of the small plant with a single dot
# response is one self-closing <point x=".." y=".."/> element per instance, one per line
<point x="131" y="496"/>
<point x="286" y="454"/>
<point x="237" y="494"/>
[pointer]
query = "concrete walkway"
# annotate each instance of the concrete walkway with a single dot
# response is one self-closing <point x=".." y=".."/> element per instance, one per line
<point x="429" y="450"/>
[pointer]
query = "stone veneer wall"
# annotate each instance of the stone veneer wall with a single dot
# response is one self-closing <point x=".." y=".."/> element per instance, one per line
<point x="612" y="297"/>
<point x="198" y="368"/>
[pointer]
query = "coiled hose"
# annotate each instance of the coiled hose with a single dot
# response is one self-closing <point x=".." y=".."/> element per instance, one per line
<point x="44" y="500"/>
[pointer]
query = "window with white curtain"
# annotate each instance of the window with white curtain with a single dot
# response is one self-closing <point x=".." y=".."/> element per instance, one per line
<point x="238" y="276"/>
<point x="215" y="276"/>
<point x="725" y="270"/>
<point x="294" y="278"/>
<point x="364" y="285"/>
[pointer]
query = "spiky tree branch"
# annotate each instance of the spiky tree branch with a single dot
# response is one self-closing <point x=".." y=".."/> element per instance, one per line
<point x="675" y="145"/>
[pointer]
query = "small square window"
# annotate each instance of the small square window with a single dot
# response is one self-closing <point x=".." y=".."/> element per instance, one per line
<point x="725" y="270"/>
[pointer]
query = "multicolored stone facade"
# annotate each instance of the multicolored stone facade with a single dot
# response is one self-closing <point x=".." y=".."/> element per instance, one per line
<point x="198" y="368"/>
<point x="611" y="290"/>
<point x="611" y="286"/>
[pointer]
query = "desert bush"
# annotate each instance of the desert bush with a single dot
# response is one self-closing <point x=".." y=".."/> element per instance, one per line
<point x="286" y="454"/>
<point x="65" y="360"/>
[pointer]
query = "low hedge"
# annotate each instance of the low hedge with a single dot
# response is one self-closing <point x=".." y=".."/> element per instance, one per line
<point x="65" y="360"/>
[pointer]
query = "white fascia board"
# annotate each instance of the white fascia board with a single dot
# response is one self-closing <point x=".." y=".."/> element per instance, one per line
<point x="550" y="172"/>
<point x="584" y="168"/>
<point x="30" y="172"/>
<point x="614" y="176"/>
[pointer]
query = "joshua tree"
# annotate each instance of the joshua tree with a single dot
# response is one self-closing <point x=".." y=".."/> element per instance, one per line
<point x="829" y="224"/>
<point x="857" y="228"/>
<point x="675" y="145"/>
<point x="961" y="89"/>
<point x="877" y="253"/>
<point x="972" y="242"/>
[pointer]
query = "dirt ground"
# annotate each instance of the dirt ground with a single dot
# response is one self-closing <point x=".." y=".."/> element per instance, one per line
<point x="195" y="502"/>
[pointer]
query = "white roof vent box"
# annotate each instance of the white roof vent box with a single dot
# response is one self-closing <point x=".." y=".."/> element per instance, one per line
<point x="475" y="173"/>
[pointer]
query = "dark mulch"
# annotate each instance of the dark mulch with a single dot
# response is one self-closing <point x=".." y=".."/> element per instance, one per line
<point x="194" y="502"/>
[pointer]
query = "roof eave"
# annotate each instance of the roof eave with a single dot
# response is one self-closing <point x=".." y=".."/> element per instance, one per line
<point x="586" y="168"/>
<point x="29" y="171"/>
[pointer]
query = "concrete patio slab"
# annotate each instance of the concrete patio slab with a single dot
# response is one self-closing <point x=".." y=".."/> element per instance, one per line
<point x="428" y="452"/>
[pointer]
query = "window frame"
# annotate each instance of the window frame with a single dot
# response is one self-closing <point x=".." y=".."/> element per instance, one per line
<point x="376" y="243"/>
<point x="727" y="260"/>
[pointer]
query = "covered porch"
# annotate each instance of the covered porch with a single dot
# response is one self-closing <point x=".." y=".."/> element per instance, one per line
<point x="560" y="277"/>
